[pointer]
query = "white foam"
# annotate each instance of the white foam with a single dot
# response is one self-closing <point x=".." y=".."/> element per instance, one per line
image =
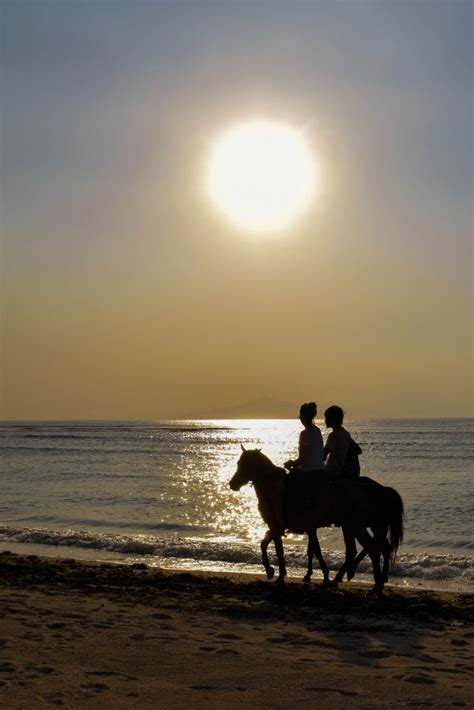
<point x="197" y="551"/>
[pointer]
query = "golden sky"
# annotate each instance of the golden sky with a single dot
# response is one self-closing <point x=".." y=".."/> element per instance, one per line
<point x="127" y="294"/>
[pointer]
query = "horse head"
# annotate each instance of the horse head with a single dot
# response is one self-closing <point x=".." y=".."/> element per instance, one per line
<point x="248" y="466"/>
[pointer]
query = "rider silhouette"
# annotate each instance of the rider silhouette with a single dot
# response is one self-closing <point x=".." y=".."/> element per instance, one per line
<point x="304" y="478"/>
<point x="341" y="451"/>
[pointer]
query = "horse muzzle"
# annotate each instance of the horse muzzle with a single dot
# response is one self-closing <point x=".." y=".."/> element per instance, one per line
<point x="235" y="484"/>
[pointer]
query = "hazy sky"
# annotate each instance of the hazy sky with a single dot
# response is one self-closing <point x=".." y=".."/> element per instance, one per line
<point x="126" y="293"/>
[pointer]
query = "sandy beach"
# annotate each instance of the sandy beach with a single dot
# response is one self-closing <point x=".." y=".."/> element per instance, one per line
<point x="86" y="635"/>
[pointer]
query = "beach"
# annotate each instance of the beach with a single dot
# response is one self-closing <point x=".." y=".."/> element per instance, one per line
<point x="88" y="635"/>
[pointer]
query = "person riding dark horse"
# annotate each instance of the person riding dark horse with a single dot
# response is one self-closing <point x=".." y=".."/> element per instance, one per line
<point x="307" y="472"/>
<point x="341" y="452"/>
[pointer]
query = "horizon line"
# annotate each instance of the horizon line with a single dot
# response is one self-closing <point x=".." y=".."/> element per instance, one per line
<point x="210" y="419"/>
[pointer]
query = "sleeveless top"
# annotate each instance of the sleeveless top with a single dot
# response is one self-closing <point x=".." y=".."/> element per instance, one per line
<point x="311" y="449"/>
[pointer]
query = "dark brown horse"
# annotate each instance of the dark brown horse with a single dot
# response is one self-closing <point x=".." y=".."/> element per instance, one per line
<point x="356" y="505"/>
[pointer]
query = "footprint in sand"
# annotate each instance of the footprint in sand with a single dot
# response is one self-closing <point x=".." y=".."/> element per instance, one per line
<point x="289" y="638"/>
<point x="423" y="679"/>
<point x="345" y="693"/>
<point x="203" y="687"/>
<point x="375" y="654"/>
<point x="42" y="670"/>
<point x="427" y="659"/>
<point x="7" y="667"/>
<point x="228" y="637"/>
<point x="228" y="652"/>
<point x="207" y="649"/>
<point x="112" y="673"/>
<point x="57" y="625"/>
<point x="97" y="687"/>
<point x="416" y="703"/>
<point x="465" y="667"/>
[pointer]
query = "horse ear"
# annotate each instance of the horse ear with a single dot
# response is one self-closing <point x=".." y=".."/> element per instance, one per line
<point x="243" y="447"/>
<point x="259" y="451"/>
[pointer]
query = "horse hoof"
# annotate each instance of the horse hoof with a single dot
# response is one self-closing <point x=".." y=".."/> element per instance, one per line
<point x="307" y="578"/>
<point x="378" y="590"/>
<point x="280" y="580"/>
<point x="332" y="584"/>
<point x="270" y="572"/>
<point x="350" y="575"/>
<point x="326" y="583"/>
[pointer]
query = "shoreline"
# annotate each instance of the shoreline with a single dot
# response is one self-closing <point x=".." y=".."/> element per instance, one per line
<point x="400" y="581"/>
<point x="89" y="634"/>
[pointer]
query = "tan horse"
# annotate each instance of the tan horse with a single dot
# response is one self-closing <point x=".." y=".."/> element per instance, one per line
<point x="352" y="504"/>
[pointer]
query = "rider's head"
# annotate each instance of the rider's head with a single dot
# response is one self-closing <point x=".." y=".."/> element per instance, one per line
<point x="333" y="416"/>
<point x="308" y="411"/>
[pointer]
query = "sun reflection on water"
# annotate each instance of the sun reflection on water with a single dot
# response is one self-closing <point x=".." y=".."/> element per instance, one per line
<point x="234" y="515"/>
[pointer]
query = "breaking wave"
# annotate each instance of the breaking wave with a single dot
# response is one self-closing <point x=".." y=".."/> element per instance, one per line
<point x="410" y="566"/>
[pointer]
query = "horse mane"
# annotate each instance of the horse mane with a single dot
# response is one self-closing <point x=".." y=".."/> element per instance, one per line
<point x="267" y="464"/>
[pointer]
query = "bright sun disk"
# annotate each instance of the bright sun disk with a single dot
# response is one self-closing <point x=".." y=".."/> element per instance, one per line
<point x="262" y="175"/>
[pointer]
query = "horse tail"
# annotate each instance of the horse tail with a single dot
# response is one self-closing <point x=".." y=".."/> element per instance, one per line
<point x="395" y="520"/>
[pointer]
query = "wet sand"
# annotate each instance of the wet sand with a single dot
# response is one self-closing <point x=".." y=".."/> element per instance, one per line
<point x="85" y="635"/>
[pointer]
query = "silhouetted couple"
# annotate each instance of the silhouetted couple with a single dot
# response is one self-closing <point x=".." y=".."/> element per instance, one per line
<point x="318" y="463"/>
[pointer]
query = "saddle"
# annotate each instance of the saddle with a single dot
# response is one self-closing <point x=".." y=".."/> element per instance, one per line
<point x="303" y="489"/>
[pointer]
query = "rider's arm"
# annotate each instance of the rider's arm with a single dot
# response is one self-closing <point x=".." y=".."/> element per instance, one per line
<point x="327" y="446"/>
<point x="292" y="463"/>
<point x="337" y="446"/>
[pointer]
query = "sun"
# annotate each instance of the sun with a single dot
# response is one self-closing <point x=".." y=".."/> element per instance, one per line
<point x="262" y="175"/>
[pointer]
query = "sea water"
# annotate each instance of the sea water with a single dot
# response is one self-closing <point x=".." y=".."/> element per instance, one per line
<point x="157" y="491"/>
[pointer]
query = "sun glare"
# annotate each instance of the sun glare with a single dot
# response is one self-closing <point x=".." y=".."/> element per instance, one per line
<point x="262" y="175"/>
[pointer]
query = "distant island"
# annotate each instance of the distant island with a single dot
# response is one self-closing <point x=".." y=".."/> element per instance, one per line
<point x="261" y="408"/>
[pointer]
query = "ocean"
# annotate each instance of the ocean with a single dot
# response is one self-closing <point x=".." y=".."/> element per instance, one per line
<point x="157" y="492"/>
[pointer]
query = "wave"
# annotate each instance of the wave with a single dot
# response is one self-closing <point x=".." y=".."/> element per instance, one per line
<point x="429" y="567"/>
<point x="143" y="433"/>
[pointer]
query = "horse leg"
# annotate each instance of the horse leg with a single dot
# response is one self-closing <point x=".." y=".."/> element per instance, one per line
<point x="386" y="560"/>
<point x="265" y="561"/>
<point x="368" y="542"/>
<point x="351" y="551"/>
<point x="348" y="566"/>
<point x="310" y="552"/>
<point x="380" y="534"/>
<point x="280" y="556"/>
<point x="313" y="537"/>
<point x="386" y="552"/>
